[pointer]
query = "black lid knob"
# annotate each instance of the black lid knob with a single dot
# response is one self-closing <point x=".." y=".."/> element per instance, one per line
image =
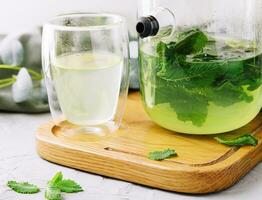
<point x="147" y="26"/>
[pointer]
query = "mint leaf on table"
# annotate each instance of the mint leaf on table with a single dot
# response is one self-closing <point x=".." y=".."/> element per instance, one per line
<point x="69" y="186"/>
<point x="56" y="179"/>
<point x="23" y="187"/>
<point x="53" y="193"/>
<point x="57" y="185"/>
<point x="244" y="140"/>
<point x="162" y="155"/>
<point x="54" y="188"/>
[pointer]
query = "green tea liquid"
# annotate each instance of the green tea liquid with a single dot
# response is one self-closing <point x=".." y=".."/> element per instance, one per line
<point x="87" y="86"/>
<point x="219" y="119"/>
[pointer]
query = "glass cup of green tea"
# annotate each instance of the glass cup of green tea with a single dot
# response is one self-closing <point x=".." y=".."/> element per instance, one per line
<point x="85" y="63"/>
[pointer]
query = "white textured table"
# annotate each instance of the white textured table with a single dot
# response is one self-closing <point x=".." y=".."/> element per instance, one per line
<point x="19" y="161"/>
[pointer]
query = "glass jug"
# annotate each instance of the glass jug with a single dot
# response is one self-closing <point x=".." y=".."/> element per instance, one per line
<point x="201" y="63"/>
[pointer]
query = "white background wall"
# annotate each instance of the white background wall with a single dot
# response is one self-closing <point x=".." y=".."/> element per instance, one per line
<point x="24" y="14"/>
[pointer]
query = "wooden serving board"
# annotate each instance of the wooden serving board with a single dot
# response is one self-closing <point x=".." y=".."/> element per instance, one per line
<point x="202" y="165"/>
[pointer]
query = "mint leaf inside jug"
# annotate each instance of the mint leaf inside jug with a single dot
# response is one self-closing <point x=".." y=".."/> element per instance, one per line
<point x="195" y="69"/>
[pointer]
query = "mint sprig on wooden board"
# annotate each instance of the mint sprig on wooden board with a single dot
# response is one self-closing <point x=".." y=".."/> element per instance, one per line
<point x="244" y="140"/>
<point x="162" y="155"/>
<point x="23" y="187"/>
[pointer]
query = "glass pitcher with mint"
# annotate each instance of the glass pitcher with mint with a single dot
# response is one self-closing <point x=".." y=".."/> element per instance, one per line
<point x="201" y="63"/>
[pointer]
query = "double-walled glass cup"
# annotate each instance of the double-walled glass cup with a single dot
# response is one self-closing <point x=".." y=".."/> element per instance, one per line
<point x="86" y="68"/>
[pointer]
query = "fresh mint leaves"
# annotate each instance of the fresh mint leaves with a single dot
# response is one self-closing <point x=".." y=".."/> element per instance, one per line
<point x="194" y="70"/>
<point x="58" y="177"/>
<point x="23" y="187"/>
<point x="69" y="186"/>
<point x="54" y="188"/>
<point x="53" y="193"/>
<point x="244" y="140"/>
<point x="190" y="41"/>
<point x="57" y="185"/>
<point x="162" y="155"/>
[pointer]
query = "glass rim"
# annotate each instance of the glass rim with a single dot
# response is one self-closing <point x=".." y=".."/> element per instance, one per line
<point x="118" y="21"/>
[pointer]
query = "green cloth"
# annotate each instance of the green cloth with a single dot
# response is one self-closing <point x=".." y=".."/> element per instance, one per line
<point x="23" y="50"/>
<point x="33" y="105"/>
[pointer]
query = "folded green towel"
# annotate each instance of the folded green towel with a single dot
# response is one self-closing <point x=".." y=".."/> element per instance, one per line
<point x="21" y="82"/>
<point x="33" y="105"/>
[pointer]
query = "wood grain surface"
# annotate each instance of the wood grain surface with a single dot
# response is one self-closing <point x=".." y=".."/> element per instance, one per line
<point x="202" y="164"/>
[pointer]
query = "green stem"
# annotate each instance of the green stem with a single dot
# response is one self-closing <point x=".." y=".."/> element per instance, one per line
<point x="255" y="66"/>
<point x="35" y="75"/>
<point x="7" y="82"/>
<point x="2" y="81"/>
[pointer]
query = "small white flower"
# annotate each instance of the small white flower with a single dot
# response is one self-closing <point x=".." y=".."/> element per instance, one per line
<point x="23" y="87"/>
<point x="11" y="52"/>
